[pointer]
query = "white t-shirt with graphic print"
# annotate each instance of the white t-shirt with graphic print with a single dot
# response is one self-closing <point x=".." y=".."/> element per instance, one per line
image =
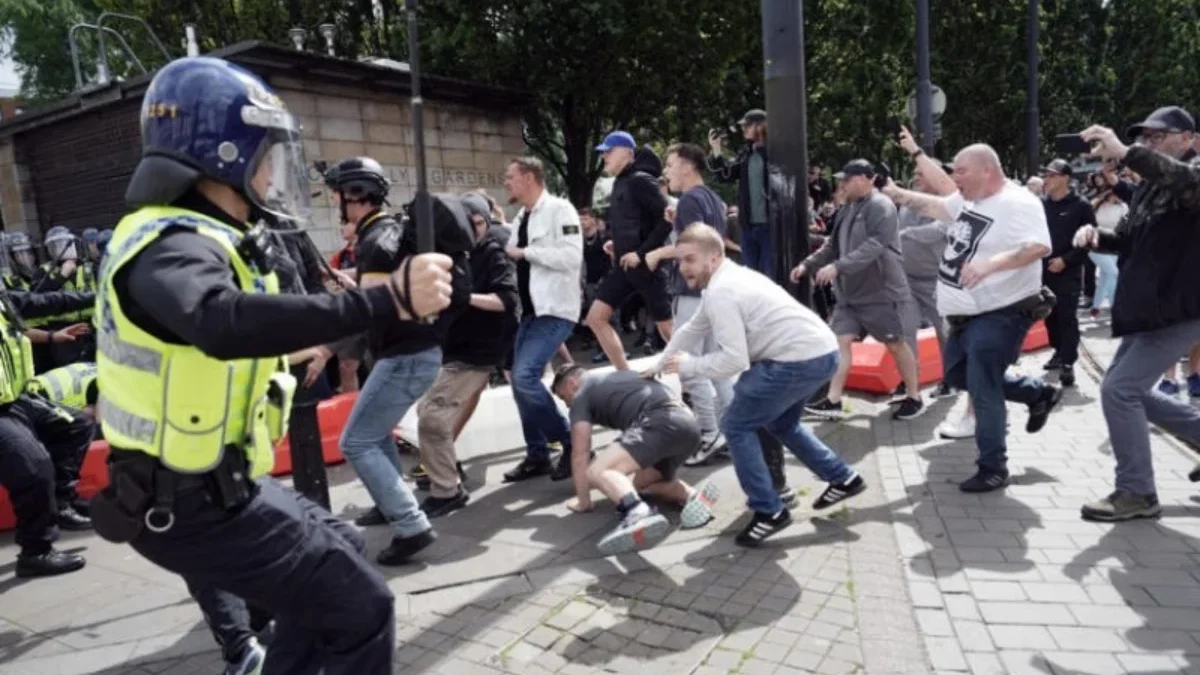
<point x="980" y="230"/>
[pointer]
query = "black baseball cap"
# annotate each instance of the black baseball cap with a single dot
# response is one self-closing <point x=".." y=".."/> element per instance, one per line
<point x="1168" y="118"/>
<point x="753" y="116"/>
<point x="1059" y="166"/>
<point x="856" y="167"/>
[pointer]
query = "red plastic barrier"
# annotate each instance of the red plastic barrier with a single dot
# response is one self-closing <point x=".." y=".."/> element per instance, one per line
<point x="332" y="414"/>
<point x="93" y="476"/>
<point x="1036" y="338"/>
<point x="873" y="370"/>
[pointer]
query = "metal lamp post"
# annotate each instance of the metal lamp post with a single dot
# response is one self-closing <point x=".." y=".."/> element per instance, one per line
<point x="423" y="205"/>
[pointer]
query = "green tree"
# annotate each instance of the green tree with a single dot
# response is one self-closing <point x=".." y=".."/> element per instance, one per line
<point x="38" y="46"/>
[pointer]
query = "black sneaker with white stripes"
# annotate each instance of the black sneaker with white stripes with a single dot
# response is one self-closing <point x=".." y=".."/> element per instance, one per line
<point x="788" y="496"/>
<point x="985" y="480"/>
<point x="840" y="492"/>
<point x="762" y="526"/>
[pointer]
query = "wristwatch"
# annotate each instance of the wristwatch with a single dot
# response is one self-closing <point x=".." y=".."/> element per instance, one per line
<point x="918" y="153"/>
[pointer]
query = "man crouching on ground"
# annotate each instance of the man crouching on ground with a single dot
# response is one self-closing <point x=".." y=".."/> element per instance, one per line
<point x="658" y="432"/>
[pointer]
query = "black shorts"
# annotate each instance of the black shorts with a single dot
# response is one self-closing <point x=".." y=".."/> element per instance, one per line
<point x="662" y="439"/>
<point x="620" y="283"/>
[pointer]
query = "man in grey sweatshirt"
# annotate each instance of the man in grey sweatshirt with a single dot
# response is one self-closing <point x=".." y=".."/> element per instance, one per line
<point x="923" y="240"/>
<point x="862" y="258"/>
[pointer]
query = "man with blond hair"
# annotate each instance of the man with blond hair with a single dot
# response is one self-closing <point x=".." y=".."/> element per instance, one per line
<point x="784" y="353"/>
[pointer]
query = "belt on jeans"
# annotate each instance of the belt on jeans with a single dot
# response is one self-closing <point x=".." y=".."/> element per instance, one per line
<point x="1024" y="305"/>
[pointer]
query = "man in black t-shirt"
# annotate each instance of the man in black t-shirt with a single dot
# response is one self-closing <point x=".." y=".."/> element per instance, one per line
<point x="1066" y="212"/>
<point x="657" y="433"/>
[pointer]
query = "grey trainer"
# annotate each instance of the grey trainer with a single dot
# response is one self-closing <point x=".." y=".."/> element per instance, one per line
<point x="1122" y="505"/>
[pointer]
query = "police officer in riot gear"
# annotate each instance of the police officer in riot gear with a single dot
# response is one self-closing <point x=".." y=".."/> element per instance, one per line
<point x="42" y="444"/>
<point x="409" y="354"/>
<point x="91" y="249"/>
<point x="65" y="269"/>
<point x="23" y="258"/>
<point x="102" y="240"/>
<point x="193" y="385"/>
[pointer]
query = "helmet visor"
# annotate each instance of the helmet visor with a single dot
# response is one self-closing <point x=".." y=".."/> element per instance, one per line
<point x="277" y="180"/>
<point x="61" y="249"/>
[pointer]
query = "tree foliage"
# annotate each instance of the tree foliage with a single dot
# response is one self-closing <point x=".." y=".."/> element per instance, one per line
<point x="669" y="71"/>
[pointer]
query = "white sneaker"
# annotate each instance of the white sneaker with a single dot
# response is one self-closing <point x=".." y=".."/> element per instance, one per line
<point x="710" y="444"/>
<point x="963" y="428"/>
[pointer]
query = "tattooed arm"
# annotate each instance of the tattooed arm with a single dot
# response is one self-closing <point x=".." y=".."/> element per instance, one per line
<point x="1181" y="179"/>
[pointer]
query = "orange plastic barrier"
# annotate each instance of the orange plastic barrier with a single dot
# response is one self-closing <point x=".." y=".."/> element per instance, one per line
<point x="1036" y="338"/>
<point x="93" y="475"/>
<point x="873" y="370"/>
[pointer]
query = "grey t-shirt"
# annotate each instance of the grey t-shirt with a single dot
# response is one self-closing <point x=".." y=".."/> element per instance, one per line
<point x="617" y="400"/>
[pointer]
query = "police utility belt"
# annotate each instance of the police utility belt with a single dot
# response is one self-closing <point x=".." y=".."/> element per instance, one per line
<point x="142" y="493"/>
<point x="1035" y="308"/>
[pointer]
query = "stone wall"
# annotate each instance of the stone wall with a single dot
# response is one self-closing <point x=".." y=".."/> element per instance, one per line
<point x="466" y="148"/>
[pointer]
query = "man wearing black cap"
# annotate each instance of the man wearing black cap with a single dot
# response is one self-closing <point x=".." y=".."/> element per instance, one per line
<point x="1066" y="212"/>
<point x="749" y="171"/>
<point x="862" y="256"/>
<point x="1156" y="309"/>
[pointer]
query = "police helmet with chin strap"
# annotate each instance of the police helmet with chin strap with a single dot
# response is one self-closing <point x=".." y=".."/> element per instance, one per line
<point x="206" y="118"/>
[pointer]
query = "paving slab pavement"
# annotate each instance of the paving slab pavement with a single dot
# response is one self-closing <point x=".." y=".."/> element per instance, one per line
<point x="912" y="577"/>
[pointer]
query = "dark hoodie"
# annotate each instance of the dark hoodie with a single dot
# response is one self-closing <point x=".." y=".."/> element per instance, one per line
<point x="479" y="337"/>
<point x="636" y="207"/>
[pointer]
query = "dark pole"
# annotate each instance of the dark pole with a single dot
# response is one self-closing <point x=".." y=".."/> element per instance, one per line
<point x="1031" y="121"/>
<point x="423" y="216"/>
<point x="787" y="138"/>
<point x="925" y="137"/>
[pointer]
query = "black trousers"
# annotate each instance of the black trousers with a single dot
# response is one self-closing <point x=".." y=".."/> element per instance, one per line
<point x="1089" y="277"/>
<point x="773" y="454"/>
<point x="1062" y="326"/>
<point x="232" y="622"/>
<point x="42" y="446"/>
<point x="334" y="614"/>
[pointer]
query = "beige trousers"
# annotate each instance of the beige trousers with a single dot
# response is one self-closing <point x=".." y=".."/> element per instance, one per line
<point x="437" y="415"/>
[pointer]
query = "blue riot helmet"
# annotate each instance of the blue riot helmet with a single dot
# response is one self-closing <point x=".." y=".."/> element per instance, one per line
<point x="102" y="240"/>
<point x="21" y="254"/>
<point x="207" y="118"/>
<point x="60" y="245"/>
<point x="90" y="236"/>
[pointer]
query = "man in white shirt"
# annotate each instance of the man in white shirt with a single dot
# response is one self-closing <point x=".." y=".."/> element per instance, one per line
<point x="786" y="352"/>
<point x="548" y="248"/>
<point x="989" y="282"/>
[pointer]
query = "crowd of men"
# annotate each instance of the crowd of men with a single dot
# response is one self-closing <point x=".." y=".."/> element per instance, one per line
<point x="965" y="251"/>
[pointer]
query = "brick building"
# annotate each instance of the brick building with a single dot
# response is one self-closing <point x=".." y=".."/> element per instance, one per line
<point x="68" y="163"/>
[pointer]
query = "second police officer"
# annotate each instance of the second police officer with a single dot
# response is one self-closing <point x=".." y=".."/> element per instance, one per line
<point x="193" y="387"/>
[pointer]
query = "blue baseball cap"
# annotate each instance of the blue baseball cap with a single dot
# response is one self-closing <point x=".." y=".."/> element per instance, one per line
<point x="617" y="139"/>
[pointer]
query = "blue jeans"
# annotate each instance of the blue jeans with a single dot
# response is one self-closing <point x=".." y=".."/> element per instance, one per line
<point x="395" y="383"/>
<point x="757" y="251"/>
<point x="537" y="340"/>
<point x="1106" y="285"/>
<point x="772" y="394"/>
<point x="977" y="355"/>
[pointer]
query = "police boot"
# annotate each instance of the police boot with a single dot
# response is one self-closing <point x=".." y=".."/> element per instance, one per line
<point x="48" y="564"/>
<point x="71" y="520"/>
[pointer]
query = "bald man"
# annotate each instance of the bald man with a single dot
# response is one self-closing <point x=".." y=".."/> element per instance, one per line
<point x="989" y="288"/>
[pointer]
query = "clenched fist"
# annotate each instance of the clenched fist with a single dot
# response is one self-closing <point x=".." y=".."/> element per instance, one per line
<point x="1087" y="236"/>
<point x="424" y="281"/>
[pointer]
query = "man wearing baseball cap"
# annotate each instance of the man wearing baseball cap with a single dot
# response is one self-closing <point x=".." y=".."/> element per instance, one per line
<point x="1066" y="212"/>
<point x="638" y="225"/>
<point x="862" y="257"/>
<point x="1156" y="310"/>
<point x="749" y="171"/>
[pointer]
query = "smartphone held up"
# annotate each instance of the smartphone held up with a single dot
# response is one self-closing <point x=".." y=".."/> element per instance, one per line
<point x="1071" y="144"/>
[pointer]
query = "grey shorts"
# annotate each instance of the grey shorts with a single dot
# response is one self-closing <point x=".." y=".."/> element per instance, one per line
<point x="884" y="321"/>
<point x="662" y="439"/>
